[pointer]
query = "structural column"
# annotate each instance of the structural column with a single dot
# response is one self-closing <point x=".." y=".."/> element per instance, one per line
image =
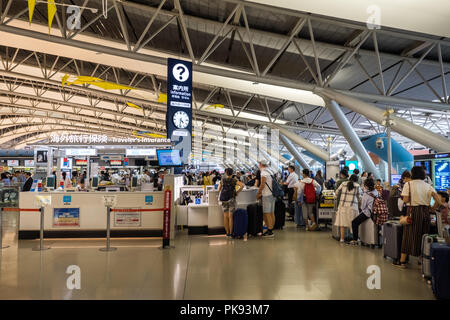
<point x="352" y="138"/>
<point x="317" y="151"/>
<point x="404" y="127"/>
<point x="293" y="150"/>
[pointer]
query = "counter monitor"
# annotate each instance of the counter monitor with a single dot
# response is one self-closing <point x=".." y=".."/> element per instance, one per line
<point x="169" y="158"/>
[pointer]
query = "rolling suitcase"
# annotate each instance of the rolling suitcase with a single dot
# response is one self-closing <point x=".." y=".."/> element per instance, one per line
<point x="440" y="270"/>
<point x="280" y="214"/>
<point x="240" y="222"/>
<point x="369" y="234"/>
<point x="392" y="240"/>
<point x="427" y="241"/>
<point x="255" y="219"/>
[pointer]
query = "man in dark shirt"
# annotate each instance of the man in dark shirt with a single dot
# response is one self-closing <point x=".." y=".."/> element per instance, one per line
<point x="28" y="182"/>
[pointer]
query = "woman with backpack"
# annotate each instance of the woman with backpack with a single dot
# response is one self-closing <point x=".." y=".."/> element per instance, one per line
<point x="227" y="197"/>
<point x="367" y="201"/>
<point x="348" y="209"/>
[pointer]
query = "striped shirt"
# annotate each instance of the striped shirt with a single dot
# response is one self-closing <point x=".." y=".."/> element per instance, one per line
<point x="348" y="198"/>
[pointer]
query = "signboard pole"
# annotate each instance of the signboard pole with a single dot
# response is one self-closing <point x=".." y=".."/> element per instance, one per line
<point x="108" y="232"/>
<point x="1" y="231"/>
<point x="166" y="220"/>
<point x="41" y="233"/>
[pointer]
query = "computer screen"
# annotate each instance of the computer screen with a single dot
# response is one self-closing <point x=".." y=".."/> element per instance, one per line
<point x="442" y="175"/>
<point x="50" y="183"/>
<point x="169" y="158"/>
<point x="95" y="182"/>
<point x="395" y="178"/>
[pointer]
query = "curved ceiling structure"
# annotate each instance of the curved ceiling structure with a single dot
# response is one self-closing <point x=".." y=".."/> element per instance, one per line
<point x="262" y="71"/>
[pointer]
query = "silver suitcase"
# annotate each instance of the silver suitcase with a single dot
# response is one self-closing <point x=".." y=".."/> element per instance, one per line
<point x="369" y="234"/>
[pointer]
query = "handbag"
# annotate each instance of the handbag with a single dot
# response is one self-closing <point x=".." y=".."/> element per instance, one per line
<point x="407" y="220"/>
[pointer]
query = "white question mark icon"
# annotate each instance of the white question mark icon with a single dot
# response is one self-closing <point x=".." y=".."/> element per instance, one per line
<point x="180" y="72"/>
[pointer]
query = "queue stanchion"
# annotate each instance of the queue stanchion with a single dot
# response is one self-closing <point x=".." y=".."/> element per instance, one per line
<point x="41" y="233"/>
<point x="109" y="202"/>
<point x="1" y="230"/>
<point x="166" y="220"/>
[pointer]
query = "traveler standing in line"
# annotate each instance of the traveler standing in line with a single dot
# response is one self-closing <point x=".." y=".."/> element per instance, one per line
<point x="395" y="203"/>
<point x="343" y="176"/>
<point x="258" y="178"/>
<point x="207" y="181"/>
<point x="369" y="195"/>
<point x="348" y="192"/>
<point x="319" y="178"/>
<point x="417" y="196"/>
<point x="290" y="182"/>
<point x="268" y="201"/>
<point x="228" y="193"/>
<point x="28" y="182"/>
<point x="305" y="193"/>
<point x="356" y="172"/>
<point x="363" y="177"/>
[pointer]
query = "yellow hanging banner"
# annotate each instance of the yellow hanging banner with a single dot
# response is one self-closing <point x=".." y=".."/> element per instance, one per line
<point x="69" y="80"/>
<point x="31" y="5"/>
<point x="51" y="6"/>
<point x="162" y="98"/>
<point x="132" y="105"/>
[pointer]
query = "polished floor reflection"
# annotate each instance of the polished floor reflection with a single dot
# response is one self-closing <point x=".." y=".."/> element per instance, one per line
<point x="294" y="265"/>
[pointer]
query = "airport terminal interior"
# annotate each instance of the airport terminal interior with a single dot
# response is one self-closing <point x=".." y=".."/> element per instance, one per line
<point x="224" y="150"/>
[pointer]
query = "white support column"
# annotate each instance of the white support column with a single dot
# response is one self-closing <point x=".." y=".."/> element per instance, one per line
<point x="295" y="153"/>
<point x="317" y="151"/>
<point x="351" y="137"/>
<point x="399" y="125"/>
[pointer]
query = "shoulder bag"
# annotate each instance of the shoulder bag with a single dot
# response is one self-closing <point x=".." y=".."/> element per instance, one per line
<point x="406" y="219"/>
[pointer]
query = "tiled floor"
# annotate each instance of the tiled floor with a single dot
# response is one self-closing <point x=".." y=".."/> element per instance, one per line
<point x="294" y="265"/>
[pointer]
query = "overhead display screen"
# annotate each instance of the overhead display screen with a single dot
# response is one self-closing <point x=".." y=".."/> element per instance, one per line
<point x="425" y="164"/>
<point x="442" y="175"/>
<point x="13" y="163"/>
<point x="169" y="158"/>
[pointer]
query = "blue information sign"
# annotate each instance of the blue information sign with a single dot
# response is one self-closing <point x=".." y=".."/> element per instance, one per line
<point x="67" y="199"/>
<point x="148" y="199"/>
<point x="179" y="106"/>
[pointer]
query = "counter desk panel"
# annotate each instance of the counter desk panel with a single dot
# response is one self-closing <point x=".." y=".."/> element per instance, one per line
<point x="83" y="214"/>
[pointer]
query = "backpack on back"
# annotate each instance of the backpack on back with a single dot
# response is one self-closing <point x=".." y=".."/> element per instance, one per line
<point x="379" y="210"/>
<point x="276" y="189"/>
<point x="228" y="189"/>
<point x="310" y="193"/>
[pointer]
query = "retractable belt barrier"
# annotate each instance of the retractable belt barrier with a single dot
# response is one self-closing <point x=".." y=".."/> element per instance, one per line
<point x="166" y="221"/>
<point x="41" y="228"/>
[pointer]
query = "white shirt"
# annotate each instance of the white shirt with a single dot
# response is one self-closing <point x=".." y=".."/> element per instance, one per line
<point x="420" y="192"/>
<point x="300" y="185"/>
<point x="292" y="180"/>
<point x="268" y="185"/>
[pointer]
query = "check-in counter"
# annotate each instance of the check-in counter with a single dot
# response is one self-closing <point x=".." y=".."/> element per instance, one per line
<point x="207" y="218"/>
<point x="83" y="214"/>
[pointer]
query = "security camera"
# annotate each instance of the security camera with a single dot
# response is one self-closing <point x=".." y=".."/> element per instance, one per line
<point x="379" y="143"/>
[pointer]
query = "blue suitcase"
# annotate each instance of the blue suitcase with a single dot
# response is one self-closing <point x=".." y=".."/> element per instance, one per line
<point x="240" y="222"/>
<point x="440" y="270"/>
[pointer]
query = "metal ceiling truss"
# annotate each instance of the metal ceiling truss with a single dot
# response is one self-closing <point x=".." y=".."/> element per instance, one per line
<point x="237" y="23"/>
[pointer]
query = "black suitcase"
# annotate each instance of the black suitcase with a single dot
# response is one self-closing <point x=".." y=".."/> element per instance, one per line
<point x="255" y="219"/>
<point x="280" y="214"/>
